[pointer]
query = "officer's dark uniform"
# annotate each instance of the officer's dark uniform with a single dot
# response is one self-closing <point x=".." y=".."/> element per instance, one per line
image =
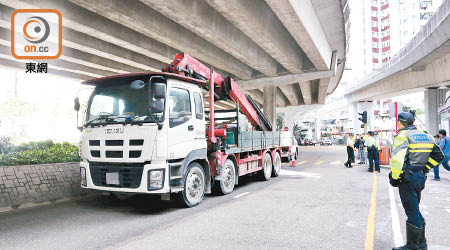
<point x="414" y="153"/>
<point x="373" y="147"/>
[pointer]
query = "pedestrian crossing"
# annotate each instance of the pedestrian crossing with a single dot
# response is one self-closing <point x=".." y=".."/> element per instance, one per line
<point x="318" y="163"/>
<point x="321" y="162"/>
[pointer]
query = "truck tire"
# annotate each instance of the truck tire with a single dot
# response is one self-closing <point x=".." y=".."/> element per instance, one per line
<point x="227" y="178"/>
<point x="276" y="165"/>
<point x="266" y="172"/>
<point x="194" y="185"/>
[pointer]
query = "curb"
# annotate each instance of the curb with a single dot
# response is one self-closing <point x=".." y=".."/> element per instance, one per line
<point x="45" y="203"/>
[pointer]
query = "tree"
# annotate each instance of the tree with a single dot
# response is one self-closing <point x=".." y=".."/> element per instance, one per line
<point x="15" y="108"/>
<point x="280" y="122"/>
<point x="5" y="144"/>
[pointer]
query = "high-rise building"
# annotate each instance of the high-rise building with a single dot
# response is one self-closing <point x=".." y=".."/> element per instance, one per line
<point x="380" y="26"/>
<point x="387" y="26"/>
<point x="379" y="29"/>
<point x="426" y="9"/>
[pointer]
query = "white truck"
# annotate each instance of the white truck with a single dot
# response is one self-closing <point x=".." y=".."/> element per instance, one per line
<point x="289" y="146"/>
<point x="151" y="133"/>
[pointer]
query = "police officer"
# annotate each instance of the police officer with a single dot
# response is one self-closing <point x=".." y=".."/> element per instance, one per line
<point x="414" y="153"/>
<point x="373" y="147"/>
<point x="350" y="151"/>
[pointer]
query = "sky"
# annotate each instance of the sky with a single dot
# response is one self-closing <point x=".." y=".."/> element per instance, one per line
<point x="48" y="108"/>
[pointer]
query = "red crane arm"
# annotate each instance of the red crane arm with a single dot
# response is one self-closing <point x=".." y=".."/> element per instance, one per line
<point x="189" y="66"/>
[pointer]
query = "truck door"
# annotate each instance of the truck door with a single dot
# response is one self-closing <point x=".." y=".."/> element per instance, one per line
<point x="199" y="121"/>
<point x="181" y="123"/>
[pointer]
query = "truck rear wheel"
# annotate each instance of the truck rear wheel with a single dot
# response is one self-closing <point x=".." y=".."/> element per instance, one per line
<point x="194" y="185"/>
<point x="266" y="172"/>
<point x="227" y="178"/>
<point x="276" y="165"/>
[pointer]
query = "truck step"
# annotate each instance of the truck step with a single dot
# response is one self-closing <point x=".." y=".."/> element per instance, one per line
<point x="176" y="177"/>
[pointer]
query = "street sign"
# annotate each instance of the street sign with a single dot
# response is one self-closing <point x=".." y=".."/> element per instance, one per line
<point x="392" y="111"/>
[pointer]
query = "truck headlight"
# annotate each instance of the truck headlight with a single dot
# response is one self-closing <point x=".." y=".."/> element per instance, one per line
<point x="83" y="176"/>
<point x="155" y="179"/>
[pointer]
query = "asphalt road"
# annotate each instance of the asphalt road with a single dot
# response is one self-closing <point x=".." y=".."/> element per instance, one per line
<point x="318" y="204"/>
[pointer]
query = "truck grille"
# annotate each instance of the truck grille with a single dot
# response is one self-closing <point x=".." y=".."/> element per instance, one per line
<point x="114" y="142"/>
<point x="130" y="175"/>
<point x="114" y="148"/>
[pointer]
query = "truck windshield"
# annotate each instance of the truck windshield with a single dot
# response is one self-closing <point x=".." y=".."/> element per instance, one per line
<point x="121" y="104"/>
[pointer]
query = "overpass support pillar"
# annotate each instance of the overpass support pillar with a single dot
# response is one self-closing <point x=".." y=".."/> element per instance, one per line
<point x="356" y="123"/>
<point x="270" y="105"/>
<point x="433" y="99"/>
<point x="317" y="128"/>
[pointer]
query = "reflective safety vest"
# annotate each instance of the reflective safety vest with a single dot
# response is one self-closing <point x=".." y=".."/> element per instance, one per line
<point x="415" y="150"/>
<point x="372" y="143"/>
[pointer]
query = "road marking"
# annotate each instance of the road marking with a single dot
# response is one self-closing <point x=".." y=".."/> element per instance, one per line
<point x="447" y="210"/>
<point x="370" y="230"/>
<point x="302" y="162"/>
<point x="297" y="173"/>
<point x="318" y="163"/>
<point x="240" y="195"/>
<point x="398" y="238"/>
<point x="336" y="163"/>
<point x="440" y="185"/>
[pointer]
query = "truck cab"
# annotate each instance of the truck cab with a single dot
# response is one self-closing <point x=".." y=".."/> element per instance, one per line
<point x="140" y="133"/>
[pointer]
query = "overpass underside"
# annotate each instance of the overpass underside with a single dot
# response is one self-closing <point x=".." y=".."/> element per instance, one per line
<point x="294" y="47"/>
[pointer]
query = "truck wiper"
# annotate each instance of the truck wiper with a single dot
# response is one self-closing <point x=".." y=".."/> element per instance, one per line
<point x="103" y="115"/>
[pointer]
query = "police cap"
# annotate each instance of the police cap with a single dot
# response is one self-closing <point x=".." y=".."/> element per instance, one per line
<point x="371" y="133"/>
<point x="406" y="117"/>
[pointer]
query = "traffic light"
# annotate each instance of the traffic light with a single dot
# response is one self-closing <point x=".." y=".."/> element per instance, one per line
<point x="363" y="117"/>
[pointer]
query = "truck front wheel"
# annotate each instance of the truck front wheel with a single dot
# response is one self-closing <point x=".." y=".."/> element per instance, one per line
<point x="194" y="185"/>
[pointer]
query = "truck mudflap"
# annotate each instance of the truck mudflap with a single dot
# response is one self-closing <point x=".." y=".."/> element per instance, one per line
<point x="177" y="169"/>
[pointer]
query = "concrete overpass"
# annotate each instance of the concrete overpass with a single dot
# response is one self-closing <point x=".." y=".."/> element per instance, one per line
<point x="423" y="64"/>
<point x="283" y="52"/>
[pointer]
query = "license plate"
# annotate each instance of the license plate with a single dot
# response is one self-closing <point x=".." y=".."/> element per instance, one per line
<point x="112" y="178"/>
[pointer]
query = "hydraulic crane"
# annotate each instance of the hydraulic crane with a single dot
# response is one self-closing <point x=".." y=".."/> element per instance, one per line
<point x="224" y="88"/>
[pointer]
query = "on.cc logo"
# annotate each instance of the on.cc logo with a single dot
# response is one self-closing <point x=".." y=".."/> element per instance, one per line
<point x="36" y="29"/>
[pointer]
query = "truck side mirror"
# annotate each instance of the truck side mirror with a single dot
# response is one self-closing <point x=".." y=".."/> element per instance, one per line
<point x="157" y="106"/>
<point x="76" y="106"/>
<point x="158" y="87"/>
<point x="159" y="90"/>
